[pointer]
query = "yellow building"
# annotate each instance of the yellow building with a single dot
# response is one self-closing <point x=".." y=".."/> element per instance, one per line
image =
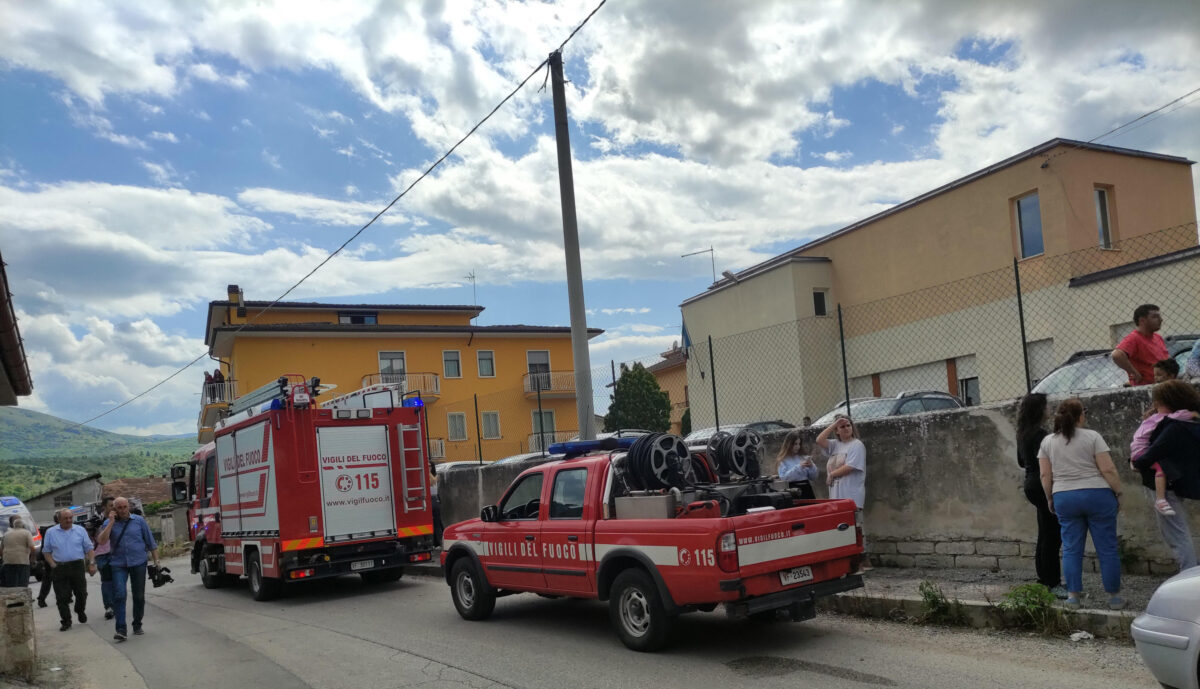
<point x="671" y="374"/>
<point x="458" y="367"/>
<point x="928" y="288"/>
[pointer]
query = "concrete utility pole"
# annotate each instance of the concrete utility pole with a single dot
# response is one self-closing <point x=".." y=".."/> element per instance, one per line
<point x="566" y="186"/>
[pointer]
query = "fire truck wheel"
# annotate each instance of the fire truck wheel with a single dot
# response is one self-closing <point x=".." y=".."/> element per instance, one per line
<point x="637" y="611"/>
<point x="473" y="598"/>
<point x="261" y="587"/>
<point x="210" y="579"/>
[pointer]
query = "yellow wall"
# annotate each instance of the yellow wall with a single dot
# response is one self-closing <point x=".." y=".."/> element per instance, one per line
<point x="674" y="382"/>
<point x="258" y="359"/>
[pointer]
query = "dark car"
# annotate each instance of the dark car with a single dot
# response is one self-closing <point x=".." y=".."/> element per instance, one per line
<point x="913" y="402"/>
<point x="1094" y="369"/>
<point x="701" y="436"/>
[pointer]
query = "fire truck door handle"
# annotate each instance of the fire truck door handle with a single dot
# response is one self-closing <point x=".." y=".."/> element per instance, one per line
<point x="572" y="538"/>
<point x="529" y="537"/>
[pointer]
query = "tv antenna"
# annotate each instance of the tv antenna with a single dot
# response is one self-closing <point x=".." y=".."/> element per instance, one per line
<point x="474" y="298"/>
<point x="711" y="256"/>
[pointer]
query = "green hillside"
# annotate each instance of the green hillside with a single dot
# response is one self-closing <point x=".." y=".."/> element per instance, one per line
<point x="38" y="452"/>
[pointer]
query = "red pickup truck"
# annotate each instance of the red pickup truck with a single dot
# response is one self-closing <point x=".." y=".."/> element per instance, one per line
<point x="573" y="527"/>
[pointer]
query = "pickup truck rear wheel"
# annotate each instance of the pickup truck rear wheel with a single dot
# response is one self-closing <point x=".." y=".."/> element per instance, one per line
<point x="637" y="611"/>
<point x="473" y="598"/>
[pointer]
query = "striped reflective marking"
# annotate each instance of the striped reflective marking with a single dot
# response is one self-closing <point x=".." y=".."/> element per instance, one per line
<point x="302" y="544"/>
<point x="660" y="555"/>
<point x="800" y="544"/>
<point x="415" y="530"/>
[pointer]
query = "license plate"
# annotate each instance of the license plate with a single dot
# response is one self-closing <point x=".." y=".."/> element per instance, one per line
<point x="794" y="576"/>
<point x="368" y="564"/>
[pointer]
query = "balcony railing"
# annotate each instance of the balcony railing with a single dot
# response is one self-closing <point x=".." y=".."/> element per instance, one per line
<point x="536" y="440"/>
<point x="216" y="393"/>
<point x="214" y="404"/>
<point x="429" y="384"/>
<point x="550" y="383"/>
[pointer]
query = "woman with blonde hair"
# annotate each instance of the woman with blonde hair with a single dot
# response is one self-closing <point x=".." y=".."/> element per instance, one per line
<point x="794" y="464"/>
<point x="1084" y="490"/>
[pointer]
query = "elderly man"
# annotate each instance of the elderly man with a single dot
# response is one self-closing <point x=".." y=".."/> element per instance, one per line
<point x="68" y="550"/>
<point x="130" y="539"/>
<point x="18" y="547"/>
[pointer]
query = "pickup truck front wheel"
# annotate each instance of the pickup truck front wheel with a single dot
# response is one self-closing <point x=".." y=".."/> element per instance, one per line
<point x="473" y="599"/>
<point x="637" y="611"/>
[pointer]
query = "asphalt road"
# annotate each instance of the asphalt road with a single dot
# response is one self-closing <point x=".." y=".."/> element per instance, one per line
<point x="343" y="633"/>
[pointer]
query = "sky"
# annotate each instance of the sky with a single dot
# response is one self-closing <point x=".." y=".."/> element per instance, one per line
<point x="153" y="153"/>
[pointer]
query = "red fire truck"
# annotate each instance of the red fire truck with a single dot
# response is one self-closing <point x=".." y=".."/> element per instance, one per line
<point x="289" y="491"/>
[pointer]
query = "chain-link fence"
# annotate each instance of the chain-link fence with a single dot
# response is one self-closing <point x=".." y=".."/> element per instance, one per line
<point x="1048" y="320"/>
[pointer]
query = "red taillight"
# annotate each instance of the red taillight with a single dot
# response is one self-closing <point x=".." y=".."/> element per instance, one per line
<point x="301" y="573"/>
<point x="420" y="557"/>
<point x="36" y="537"/>
<point x="727" y="556"/>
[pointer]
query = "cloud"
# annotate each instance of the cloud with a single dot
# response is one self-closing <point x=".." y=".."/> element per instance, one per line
<point x="207" y="73"/>
<point x="351" y="190"/>
<point x="163" y="174"/>
<point x="315" y="209"/>
<point x="626" y="309"/>
<point x="85" y="117"/>
<point x="644" y="328"/>
<point x="323" y="133"/>
<point x="271" y="159"/>
<point x="833" y="156"/>
<point x="347" y="151"/>
<point x="164" y="136"/>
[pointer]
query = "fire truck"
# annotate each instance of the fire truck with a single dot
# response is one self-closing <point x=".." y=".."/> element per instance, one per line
<point x="289" y="491"/>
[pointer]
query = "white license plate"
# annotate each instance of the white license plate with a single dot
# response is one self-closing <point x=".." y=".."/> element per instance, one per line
<point x="368" y="564"/>
<point x="794" y="576"/>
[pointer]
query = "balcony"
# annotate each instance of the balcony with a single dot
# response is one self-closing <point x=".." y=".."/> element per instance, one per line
<point x="549" y="384"/>
<point x="535" y="440"/>
<point x="429" y="384"/>
<point x="215" y="399"/>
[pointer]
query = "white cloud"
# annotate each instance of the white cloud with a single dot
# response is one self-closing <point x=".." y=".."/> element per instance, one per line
<point x="202" y="115"/>
<point x="338" y="117"/>
<point x="351" y="190"/>
<point x="271" y="159"/>
<point x="246" y="122"/>
<point x="164" y="136"/>
<point x="833" y="156"/>
<point x="323" y="133"/>
<point x="645" y="328"/>
<point x="315" y="209"/>
<point x="207" y="73"/>
<point x="163" y="174"/>
<point x="149" y="109"/>
<point x="626" y="310"/>
<point x="347" y="151"/>
<point x="85" y="116"/>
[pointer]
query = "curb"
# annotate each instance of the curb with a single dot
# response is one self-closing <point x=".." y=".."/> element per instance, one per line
<point x="978" y="614"/>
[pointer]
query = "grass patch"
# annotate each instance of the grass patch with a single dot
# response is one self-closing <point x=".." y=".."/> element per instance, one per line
<point x="937" y="608"/>
<point x="1032" y="606"/>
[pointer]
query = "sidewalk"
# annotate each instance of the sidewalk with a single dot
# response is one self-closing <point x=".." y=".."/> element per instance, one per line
<point x="893" y="593"/>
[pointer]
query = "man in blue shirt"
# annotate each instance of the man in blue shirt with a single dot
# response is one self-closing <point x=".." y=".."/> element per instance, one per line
<point x="67" y="548"/>
<point x="130" y="539"/>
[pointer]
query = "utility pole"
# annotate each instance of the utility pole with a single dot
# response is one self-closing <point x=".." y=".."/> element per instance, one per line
<point x="566" y="187"/>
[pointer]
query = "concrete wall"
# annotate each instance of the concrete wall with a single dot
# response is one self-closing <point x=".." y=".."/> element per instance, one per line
<point x="943" y="489"/>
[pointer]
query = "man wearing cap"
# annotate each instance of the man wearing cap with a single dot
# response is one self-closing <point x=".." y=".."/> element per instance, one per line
<point x="68" y="552"/>
<point x="130" y="539"/>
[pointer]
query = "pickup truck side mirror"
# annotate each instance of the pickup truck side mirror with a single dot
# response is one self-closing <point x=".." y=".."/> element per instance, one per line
<point x="491" y="513"/>
<point x="179" y="492"/>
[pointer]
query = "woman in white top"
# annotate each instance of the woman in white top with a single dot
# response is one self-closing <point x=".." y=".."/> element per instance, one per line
<point x="1084" y="491"/>
<point x="846" y="471"/>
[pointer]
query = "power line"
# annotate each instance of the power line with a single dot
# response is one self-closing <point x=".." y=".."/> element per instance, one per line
<point x="1123" y="126"/>
<point x="362" y="229"/>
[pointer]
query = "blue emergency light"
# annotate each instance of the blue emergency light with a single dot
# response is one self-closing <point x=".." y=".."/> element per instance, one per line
<point x="575" y="448"/>
<point x="9" y="501"/>
<point x="413" y="402"/>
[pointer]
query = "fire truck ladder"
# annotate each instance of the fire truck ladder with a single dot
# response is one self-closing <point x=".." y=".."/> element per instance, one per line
<point x="278" y="389"/>
<point x="413" y="476"/>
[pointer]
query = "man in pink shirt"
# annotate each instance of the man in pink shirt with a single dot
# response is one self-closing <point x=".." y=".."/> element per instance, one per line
<point x="1141" y="348"/>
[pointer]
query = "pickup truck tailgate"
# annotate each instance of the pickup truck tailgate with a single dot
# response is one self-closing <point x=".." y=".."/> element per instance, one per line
<point x="821" y="536"/>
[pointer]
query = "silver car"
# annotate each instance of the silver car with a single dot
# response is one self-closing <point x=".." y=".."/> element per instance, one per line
<point x="1167" y="635"/>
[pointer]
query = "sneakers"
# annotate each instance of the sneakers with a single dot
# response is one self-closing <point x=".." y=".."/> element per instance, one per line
<point x="137" y="631"/>
<point x="1060" y="592"/>
<point x="1164" y="508"/>
<point x="1072" y="603"/>
<point x="1116" y="603"/>
<point x="109" y="614"/>
<point x="119" y="636"/>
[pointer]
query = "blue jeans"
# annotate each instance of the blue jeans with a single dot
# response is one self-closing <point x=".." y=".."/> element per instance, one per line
<point x="1082" y="511"/>
<point x="136" y="576"/>
<point x="106" y="582"/>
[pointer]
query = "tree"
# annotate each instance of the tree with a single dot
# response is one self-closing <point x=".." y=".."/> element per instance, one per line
<point x="685" y="423"/>
<point x="638" y="402"/>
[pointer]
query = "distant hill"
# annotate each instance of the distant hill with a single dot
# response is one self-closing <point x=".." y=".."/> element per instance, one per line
<point x="39" y="452"/>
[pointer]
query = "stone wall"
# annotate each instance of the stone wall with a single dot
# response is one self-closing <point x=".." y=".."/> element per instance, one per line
<point x="943" y="489"/>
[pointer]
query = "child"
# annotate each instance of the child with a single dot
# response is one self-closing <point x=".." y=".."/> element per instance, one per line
<point x="1167" y="369"/>
<point x="1163" y="407"/>
<point x="796" y="465"/>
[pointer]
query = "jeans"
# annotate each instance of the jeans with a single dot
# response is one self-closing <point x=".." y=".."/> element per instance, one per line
<point x="106" y="581"/>
<point x="1049" y="536"/>
<point x="136" y="577"/>
<point x="1082" y="511"/>
<point x="1175" y="530"/>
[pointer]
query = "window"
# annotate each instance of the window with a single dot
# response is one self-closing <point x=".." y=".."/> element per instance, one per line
<point x="911" y="407"/>
<point x="543" y="430"/>
<point x="819" y="303"/>
<point x="1102" y="223"/>
<point x="358" y="318"/>
<point x="538" y="362"/>
<point x="566" y="500"/>
<point x="486" y="359"/>
<point x="936" y="403"/>
<point x="63" y="499"/>
<point x="491" y="425"/>
<point x="1029" y="225"/>
<point x="391" y="367"/>
<point x="523" y="500"/>
<point x="456" y="425"/>
<point x="968" y="390"/>
<point x="451" y="366"/>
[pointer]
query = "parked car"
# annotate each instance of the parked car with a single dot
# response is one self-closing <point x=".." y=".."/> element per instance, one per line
<point x="1094" y="369"/>
<point x="1167" y="635"/>
<point x="622" y="433"/>
<point x="701" y="436"/>
<point x="524" y="456"/>
<point x="11" y="506"/>
<point x="912" y="402"/>
<point x="442" y="467"/>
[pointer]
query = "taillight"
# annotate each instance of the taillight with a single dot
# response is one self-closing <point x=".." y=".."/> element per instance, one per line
<point x="301" y="573"/>
<point x="420" y="557"/>
<point x="727" y="556"/>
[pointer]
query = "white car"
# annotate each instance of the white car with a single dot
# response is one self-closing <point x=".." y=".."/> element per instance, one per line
<point x="1167" y="635"/>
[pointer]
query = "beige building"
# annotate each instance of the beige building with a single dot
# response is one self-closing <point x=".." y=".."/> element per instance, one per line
<point x="928" y="288"/>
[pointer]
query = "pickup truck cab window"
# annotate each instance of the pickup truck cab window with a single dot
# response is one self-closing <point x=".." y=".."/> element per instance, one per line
<point x="566" y="501"/>
<point x="523" y="500"/>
